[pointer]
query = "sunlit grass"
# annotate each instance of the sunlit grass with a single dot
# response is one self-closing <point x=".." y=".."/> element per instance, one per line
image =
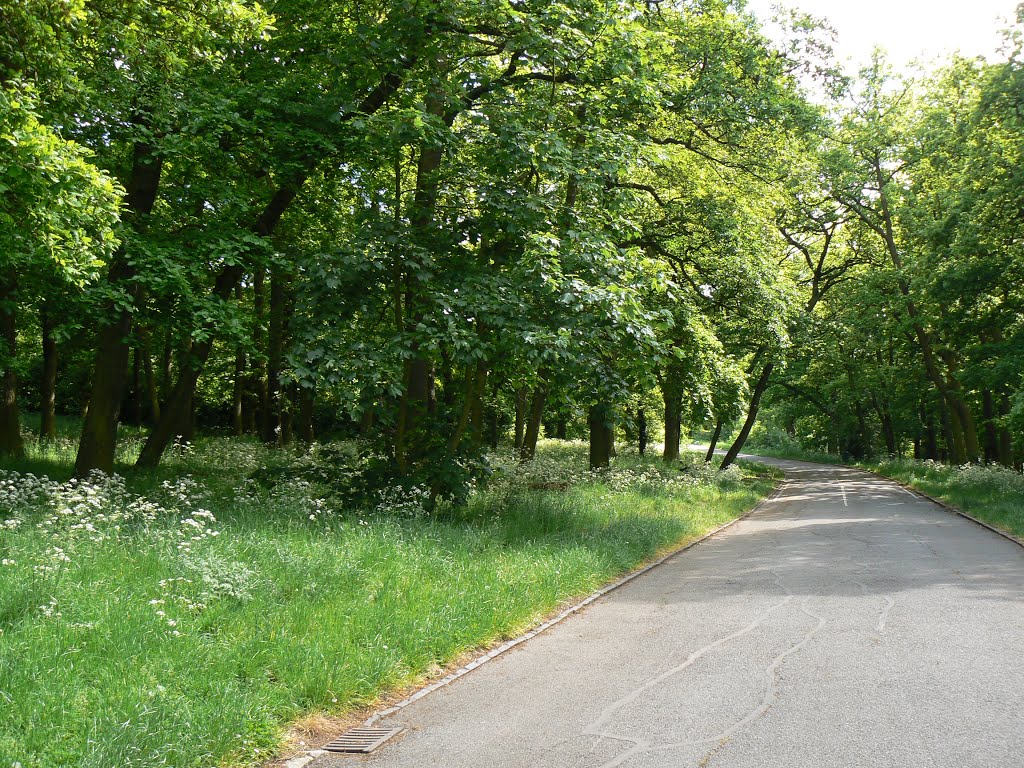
<point x="138" y="631"/>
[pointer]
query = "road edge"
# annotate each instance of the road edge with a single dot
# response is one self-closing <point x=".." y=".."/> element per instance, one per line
<point x="944" y="504"/>
<point x="303" y="760"/>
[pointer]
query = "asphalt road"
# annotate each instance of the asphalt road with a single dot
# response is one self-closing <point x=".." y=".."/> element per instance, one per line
<point x="846" y="623"/>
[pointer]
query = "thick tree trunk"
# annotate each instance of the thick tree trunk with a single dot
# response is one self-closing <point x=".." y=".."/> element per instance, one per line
<point x="599" y="419"/>
<point x="748" y="424"/>
<point x="10" y="424"/>
<point x="48" y="388"/>
<point x="98" y="443"/>
<point x="714" y="441"/>
<point x="534" y="418"/>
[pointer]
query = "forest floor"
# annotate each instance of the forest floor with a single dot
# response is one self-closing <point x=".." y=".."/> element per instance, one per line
<point x="188" y="616"/>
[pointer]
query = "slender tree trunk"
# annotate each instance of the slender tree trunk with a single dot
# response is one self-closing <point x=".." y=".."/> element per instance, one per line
<point x="522" y="411"/>
<point x="599" y="419"/>
<point x="673" y="424"/>
<point x="307" y="400"/>
<point x="10" y="424"/>
<point x="238" y="393"/>
<point x="931" y="438"/>
<point x="536" y="415"/>
<point x="152" y="390"/>
<point x="748" y="424"/>
<point x="714" y="441"/>
<point x="964" y="442"/>
<point x="1005" y="439"/>
<point x="641" y="429"/>
<point x="991" y="431"/>
<point x="476" y="419"/>
<point x="885" y="420"/>
<point x="259" y="362"/>
<point x="136" y="394"/>
<point x="48" y="390"/>
<point x="271" y="432"/>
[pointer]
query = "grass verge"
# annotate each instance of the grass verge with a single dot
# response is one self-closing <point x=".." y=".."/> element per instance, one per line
<point x="186" y="617"/>
<point x="992" y="494"/>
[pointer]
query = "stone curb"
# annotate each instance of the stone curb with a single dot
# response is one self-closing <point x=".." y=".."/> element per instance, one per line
<point x="303" y="760"/>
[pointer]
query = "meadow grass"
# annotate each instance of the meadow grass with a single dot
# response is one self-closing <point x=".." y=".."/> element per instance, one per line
<point x="990" y="493"/>
<point x="186" y="616"/>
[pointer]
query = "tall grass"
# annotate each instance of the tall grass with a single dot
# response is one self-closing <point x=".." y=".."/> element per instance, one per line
<point x="990" y="493"/>
<point x="184" y="617"/>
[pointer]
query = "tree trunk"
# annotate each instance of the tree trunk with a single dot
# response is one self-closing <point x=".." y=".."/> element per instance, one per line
<point x="931" y="437"/>
<point x="714" y="441"/>
<point x="600" y="436"/>
<point x="98" y="443"/>
<point x="48" y="390"/>
<point x="238" y="393"/>
<point x="307" y="399"/>
<point x="152" y="390"/>
<point x="1005" y="439"/>
<point x="673" y="424"/>
<point x="10" y="424"/>
<point x="522" y="409"/>
<point x="748" y="424"/>
<point x="271" y="433"/>
<point x="136" y="394"/>
<point x="964" y="438"/>
<point x="536" y="414"/>
<point x="641" y="429"/>
<point x="261" y="415"/>
<point x="991" y="432"/>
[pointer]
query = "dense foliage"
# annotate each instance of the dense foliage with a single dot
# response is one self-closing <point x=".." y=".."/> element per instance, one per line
<point x="439" y="224"/>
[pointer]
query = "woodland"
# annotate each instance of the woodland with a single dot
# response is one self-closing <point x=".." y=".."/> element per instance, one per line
<point x="434" y="226"/>
<point x="342" y="338"/>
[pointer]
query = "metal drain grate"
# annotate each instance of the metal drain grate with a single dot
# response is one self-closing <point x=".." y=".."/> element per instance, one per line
<point x="362" y="740"/>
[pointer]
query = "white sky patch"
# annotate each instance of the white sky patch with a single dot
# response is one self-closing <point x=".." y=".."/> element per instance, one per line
<point x="907" y="29"/>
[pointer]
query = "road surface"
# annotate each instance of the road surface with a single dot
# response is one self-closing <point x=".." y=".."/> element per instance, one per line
<point x="846" y="623"/>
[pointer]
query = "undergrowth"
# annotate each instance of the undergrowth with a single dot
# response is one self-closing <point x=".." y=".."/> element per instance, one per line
<point x="184" y="616"/>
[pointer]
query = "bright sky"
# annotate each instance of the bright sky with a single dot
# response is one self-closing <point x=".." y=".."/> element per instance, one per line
<point x="907" y="29"/>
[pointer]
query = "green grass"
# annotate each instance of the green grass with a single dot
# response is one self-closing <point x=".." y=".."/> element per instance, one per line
<point x="992" y="494"/>
<point x="135" y="645"/>
<point x="795" y="453"/>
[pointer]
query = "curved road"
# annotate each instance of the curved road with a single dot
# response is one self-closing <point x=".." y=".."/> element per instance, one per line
<point x="846" y="623"/>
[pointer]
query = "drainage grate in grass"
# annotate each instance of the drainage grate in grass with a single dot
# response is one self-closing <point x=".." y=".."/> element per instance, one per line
<point x="362" y="740"/>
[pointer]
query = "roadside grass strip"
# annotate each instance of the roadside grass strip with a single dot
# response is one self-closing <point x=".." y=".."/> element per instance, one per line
<point x="187" y="617"/>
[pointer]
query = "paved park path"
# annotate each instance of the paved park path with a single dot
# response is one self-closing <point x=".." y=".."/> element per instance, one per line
<point x="845" y="623"/>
